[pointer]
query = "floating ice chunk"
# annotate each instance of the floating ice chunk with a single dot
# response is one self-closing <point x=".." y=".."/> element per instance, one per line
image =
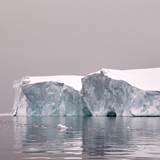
<point x="62" y="127"/>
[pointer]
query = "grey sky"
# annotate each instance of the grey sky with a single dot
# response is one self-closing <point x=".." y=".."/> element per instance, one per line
<point x="49" y="37"/>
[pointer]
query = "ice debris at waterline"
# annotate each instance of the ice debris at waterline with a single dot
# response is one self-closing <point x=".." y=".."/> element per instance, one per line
<point x="62" y="127"/>
<point x="107" y="92"/>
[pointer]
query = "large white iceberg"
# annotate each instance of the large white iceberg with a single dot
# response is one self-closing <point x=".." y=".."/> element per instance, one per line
<point x="48" y="96"/>
<point x="107" y="92"/>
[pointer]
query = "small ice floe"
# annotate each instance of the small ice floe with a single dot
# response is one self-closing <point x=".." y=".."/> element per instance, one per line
<point x="62" y="127"/>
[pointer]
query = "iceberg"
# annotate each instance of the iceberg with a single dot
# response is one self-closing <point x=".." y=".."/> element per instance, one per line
<point x="104" y="96"/>
<point x="107" y="92"/>
<point x="47" y="96"/>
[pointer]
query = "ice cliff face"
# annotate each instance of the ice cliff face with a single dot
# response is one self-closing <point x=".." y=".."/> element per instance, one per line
<point x="46" y="99"/>
<point x="104" y="96"/>
<point x="101" y="95"/>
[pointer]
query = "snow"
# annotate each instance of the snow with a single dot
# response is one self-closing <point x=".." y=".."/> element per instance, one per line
<point x="70" y="80"/>
<point x="145" y="79"/>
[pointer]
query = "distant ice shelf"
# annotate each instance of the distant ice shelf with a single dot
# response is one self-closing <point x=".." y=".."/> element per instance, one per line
<point x="5" y="114"/>
<point x="107" y="92"/>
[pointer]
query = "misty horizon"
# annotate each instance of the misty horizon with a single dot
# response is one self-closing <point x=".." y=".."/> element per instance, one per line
<point x="40" y="38"/>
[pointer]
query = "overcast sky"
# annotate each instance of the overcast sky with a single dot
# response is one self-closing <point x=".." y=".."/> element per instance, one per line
<point x="50" y="37"/>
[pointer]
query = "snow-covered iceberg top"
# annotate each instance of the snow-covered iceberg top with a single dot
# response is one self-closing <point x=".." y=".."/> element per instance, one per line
<point x="107" y="92"/>
<point x="145" y="79"/>
<point x="70" y="80"/>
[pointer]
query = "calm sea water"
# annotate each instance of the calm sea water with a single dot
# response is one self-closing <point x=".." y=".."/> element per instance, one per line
<point x="121" y="138"/>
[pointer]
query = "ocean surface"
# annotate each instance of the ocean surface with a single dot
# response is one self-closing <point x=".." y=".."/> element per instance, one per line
<point x="123" y="138"/>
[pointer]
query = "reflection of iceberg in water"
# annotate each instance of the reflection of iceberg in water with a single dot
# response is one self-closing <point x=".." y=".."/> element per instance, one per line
<point x="20" y="131"/>
<point x="39" y="135"/>
<point x="89" y="137"/>
<point x="105" y="137"/>
<point x="121" y="137"/>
